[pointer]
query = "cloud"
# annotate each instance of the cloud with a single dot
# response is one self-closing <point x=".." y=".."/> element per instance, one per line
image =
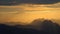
<point x="57" y="5"/>
<point x="25" y="12"/>
<point x="15" y="2"/>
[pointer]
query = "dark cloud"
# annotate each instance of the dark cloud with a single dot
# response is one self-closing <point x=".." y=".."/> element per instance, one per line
<point x="14" y="2"/>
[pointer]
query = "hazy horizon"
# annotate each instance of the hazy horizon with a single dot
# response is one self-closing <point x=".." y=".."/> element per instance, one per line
<point x="29" y="12"/>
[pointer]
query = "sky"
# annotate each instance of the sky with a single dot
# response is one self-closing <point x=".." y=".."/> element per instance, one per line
<point x="9" y="2"/>
<point x="27" y="12"/>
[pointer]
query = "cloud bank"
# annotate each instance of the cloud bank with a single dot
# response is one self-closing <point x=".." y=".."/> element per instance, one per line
<point x="15" y="2"/>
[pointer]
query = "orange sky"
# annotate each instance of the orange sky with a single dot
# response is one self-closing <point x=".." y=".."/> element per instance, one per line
<point x="29" y="12"/>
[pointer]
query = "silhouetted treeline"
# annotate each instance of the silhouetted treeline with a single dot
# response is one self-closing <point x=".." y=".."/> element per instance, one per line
<point x="36" y="27"/>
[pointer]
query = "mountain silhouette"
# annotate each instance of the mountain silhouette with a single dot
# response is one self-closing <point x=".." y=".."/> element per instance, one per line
<point x="37" y="26"/>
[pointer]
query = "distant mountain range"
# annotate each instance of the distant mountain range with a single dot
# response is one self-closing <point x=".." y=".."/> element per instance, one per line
<point x="37" y="26"/>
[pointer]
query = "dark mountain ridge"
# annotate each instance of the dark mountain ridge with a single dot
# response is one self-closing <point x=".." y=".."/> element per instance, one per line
<point x="45" y="27"/>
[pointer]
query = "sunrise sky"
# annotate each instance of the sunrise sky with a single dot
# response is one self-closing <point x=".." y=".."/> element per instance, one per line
<point x="29" y="12"/>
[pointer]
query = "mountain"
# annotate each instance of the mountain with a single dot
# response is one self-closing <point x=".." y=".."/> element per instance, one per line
<point x="38" y="26"/>
<point x="45" y="25"/>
